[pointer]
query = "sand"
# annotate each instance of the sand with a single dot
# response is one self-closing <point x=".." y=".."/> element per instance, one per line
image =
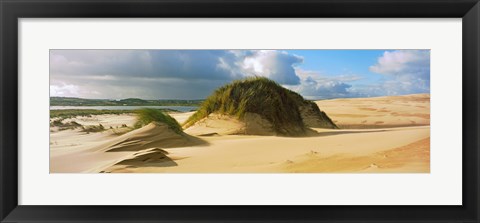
<point x="392" y="111"/>
<point x="387" y="134"/>
<point x="218" y="124"/>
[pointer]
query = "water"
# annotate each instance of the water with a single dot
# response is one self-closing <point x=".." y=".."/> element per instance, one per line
<point x="178" y="108"/>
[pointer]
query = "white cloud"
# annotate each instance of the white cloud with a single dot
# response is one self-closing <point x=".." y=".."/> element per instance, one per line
<point x="112" y="73"/>
<point x="406" y="71"/>
<point x="64" y="90"/>
<point x="403" y="72"/>
<point x="187" y="74"/>
<point x="403" y="62"/>
<point x="276" y="65"/>
<point x="314" y="85"/>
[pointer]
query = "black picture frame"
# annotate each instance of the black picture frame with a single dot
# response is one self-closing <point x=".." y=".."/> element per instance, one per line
<point x="12" y="10"/>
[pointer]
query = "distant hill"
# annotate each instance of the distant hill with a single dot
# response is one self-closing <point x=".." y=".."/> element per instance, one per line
<point x="70" y="101"/>
<point x="264" y="106"/>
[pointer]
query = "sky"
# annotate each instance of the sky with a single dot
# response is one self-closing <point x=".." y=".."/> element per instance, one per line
<point x="195" y="74"/>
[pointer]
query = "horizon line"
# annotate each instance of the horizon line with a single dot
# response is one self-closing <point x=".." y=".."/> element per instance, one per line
<point x="306" y="97"/>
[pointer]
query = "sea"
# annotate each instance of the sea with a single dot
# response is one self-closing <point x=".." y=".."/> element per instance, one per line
<point x="178" y="108"/>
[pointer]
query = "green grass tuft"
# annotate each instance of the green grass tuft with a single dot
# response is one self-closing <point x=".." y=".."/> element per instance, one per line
<point x="148" y="115"/>
<point x="63" y="126"/>
<point x="257" y="95"/>
<point x="93" y="128"/>
<point x="72" y="113"/>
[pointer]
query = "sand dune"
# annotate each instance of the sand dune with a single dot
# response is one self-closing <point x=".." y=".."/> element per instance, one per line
<point x="414" y="157"/>
<point x="370" y="142"/>
<point x="217" y="124"/>
<point x="153" y="135"/>
<point x="144" y="142"/>
<point x="154" y="157"/>
<point x="392" y="111"/>
<point x="267" y="154"/>
<point x="114" y="121"/>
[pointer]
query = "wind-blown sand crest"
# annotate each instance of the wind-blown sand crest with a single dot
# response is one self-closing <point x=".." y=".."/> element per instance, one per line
<point x="153" y="135"/>
<point x="143" y="143"/>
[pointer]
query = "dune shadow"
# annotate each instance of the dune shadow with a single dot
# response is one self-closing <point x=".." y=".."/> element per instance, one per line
<point x="313" y="133"/>
<point x="150" y="158"/>
<point x="196" y="141"/>
<point x="138" y="144"/>
<point x="209" y="134"/>
<point x="383" y="126"/>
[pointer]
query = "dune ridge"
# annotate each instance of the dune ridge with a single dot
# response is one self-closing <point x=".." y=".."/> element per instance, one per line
<point x="258" y="96"/>
<point x="147" y="142"/>
<point x="152" y="135"/>
<point x="379" y="112"/>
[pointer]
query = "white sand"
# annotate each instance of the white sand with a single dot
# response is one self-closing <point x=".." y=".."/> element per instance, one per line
<point x="379" y="112"/>
<point x="375" y="146"/>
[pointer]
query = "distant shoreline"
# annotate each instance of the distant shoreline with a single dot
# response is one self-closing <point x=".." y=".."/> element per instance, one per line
<point x="178" y="108"/>
<point x="69" y="101"/>
<point x="72" y="101"/>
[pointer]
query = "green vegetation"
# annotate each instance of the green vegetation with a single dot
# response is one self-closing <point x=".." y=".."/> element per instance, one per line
<point x="72" y="113"/>
<point x="63" y="126"/>
<point x="257" y="95"/>
<point x="148" y="115"/>
<point x="145" y="116"/>
<point x="73" y="125"/>
<point x="93" y="128"/>
<point x="68" y="101"/>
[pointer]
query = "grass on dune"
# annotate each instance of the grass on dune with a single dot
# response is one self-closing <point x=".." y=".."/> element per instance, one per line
<point x="74" y="125"/>
<point x="63" y="126"/>
<point x="93" y="128"/>
<point x="72" y="113"/>
<point x="148" y="115"/>
<point x="257" y="95"/>
<point x="144" y="117"/>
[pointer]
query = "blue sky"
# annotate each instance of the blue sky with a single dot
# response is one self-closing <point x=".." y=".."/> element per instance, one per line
<point x="194" y="74"/>
<point x="341" y="62"/>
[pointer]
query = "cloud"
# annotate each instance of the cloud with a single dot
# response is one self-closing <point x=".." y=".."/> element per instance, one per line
<point x="325" y="89"/>
<point x="149" y="74"/>
<point x="64" y="90"/>
<point x="402" y="72"/>
<point x="401" y="62"/>
<point x="194" y="74"/>
<point x="276" y="65"/>
<point x="116" y="73"/>
<point x="406" y="71"/>
<point x="314" y="85"/>
<point x="140" y="63"/>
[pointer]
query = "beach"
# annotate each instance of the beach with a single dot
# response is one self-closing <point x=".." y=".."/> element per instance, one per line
<point x="376" y="135"/>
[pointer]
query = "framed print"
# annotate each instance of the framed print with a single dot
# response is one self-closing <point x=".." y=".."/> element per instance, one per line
<point x="269" y="111"/>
